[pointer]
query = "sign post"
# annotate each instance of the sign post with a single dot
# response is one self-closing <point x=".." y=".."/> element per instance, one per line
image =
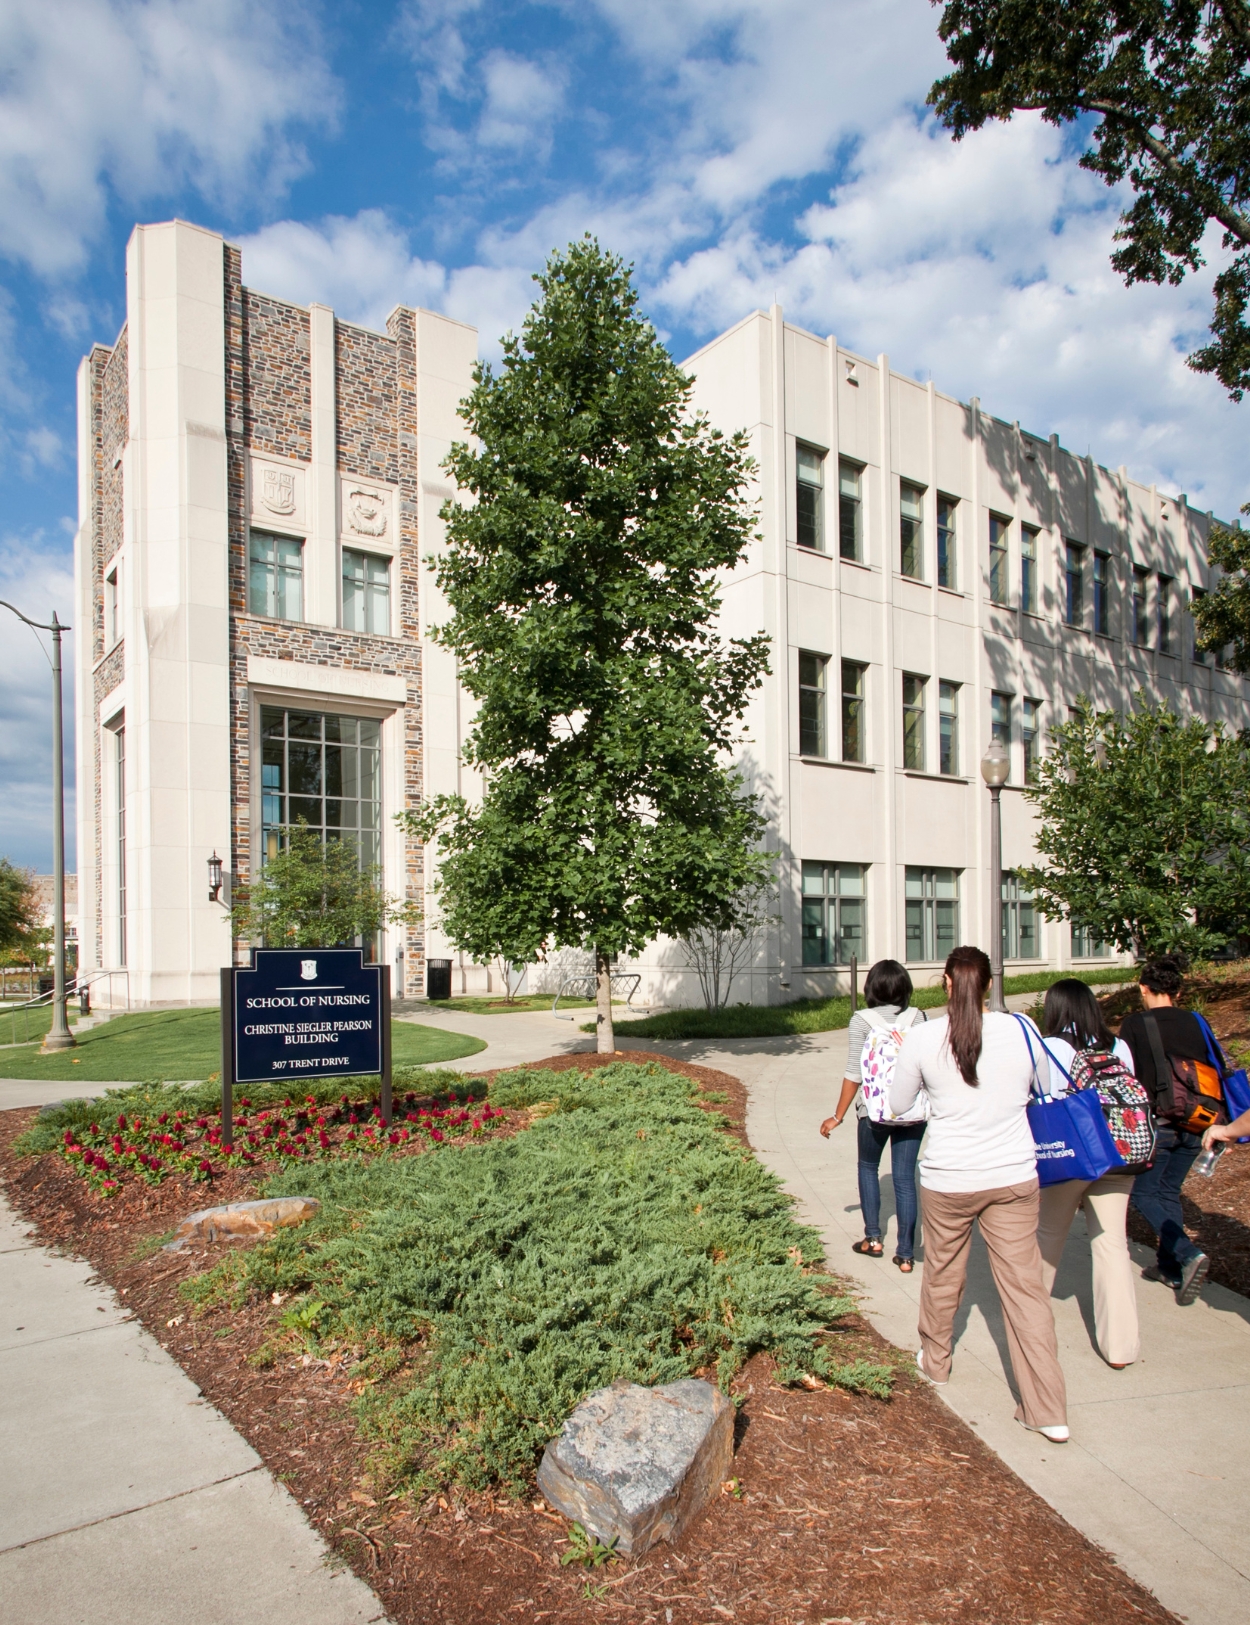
<point x="303" y="1013"/>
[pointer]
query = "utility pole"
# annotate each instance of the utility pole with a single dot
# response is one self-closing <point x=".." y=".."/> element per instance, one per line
<point x="59" y="1036"/>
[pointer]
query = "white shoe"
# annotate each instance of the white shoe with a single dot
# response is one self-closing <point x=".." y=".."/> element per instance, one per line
<point x="923" y="1372"/>
<point x="1057" y="1434"/>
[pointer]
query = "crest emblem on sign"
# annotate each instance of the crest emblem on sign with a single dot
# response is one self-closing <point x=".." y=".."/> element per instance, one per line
<point x="278" y="490"/>
<point x="366" y="512"/>
<point x="308" y="970"/>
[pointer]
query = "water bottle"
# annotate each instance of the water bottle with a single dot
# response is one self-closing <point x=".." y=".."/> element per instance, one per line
<point x="1207" y="1161"/>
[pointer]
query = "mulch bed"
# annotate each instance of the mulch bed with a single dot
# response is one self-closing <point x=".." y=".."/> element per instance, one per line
<point x="848" y="1510"/>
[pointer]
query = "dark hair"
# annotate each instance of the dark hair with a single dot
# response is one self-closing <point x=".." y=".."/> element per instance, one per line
<point x="1163" y="975"/>
<point x="1071" y="1011"/>
<point x="969" y="972"/>
<point x="887" y="983"/>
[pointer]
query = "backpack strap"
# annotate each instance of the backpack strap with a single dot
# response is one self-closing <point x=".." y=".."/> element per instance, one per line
<point x="1163" y="1070"/>
<point x="1026" y="1027"/>
<point x="1055" y="1061"/>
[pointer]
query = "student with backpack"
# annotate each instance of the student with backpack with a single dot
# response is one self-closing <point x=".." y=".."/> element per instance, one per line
<point x="1172" y="1059"/>
<point x="979" y="1167"/>
<point x="1082" y="1055"/>
<point x="872" y="1045"/>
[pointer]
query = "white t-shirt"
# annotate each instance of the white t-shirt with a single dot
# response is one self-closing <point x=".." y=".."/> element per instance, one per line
<point x="979" y="1137"/>
<point x="1065" y="1053"/>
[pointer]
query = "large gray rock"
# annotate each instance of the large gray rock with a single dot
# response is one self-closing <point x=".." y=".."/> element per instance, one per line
<point x="635" y="1464"/>
<point x="242" y="1221"/>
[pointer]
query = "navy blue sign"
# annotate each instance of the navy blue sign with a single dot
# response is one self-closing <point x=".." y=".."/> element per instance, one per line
<point x="307" y="1013"/>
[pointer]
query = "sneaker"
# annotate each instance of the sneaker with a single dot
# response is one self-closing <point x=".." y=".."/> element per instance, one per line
<point x="1152" y="1272"/>
<point x="924" y="1373"/>
<point x="1193" y="1275"/>
<point x="1057" y="1433"/>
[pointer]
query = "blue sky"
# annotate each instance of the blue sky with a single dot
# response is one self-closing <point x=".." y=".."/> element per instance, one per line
<point x="434" y="152"/>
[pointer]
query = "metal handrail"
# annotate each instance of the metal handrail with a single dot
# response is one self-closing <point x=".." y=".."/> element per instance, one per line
<point x="586" y="986"/>
<point x="81" y="980"/>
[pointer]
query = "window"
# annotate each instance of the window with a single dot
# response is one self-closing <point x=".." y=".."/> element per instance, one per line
<point x="276" y="576"/>
<point x="911" y="531"/>
<point x="854" y="740"/>
<point x="119" y="768"/>
<point x="1196" y="654"/>
<point x="1074" y="583"/>
<point x="948" y="728"/>
<point x="850" y="518"/>
<point x="323" y="771"/>
<point x="834" y="904"/>
<point x="932" y="913"/>
<point x="947" y="573"/>
<point x="1102" y="594"/>
<point x="812" y="738"/>
<point x="1086" y="945"/>
<point x="1030" y="735"/>
<point x="1164" y="611"/>
<point x="913" y="722"/>
<point x="809" y="498"/>
<point x="112" y="606"/>
<point x="1028" y="568"/>
<point x="998" y="558"/>
<point x="1000" y="720"/>
<point x="1020" y="937"/>
<point x="1141" y="625"/>
<point x="366" y="593"/>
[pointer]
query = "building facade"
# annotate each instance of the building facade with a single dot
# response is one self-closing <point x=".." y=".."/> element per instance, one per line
<point x="257" y="482"/>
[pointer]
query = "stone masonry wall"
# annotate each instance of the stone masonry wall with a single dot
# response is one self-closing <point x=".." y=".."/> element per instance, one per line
<point x="365" y="382"/>
<point x="277" y="377"/>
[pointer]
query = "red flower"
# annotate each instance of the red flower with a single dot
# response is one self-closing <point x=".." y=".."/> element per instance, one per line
<point x="436" y="1134"/>
<point x="121" y="1120"/>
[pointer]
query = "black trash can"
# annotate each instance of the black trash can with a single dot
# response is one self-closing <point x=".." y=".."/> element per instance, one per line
<point x="438" y="978"/>
<point x="47" y="983"/>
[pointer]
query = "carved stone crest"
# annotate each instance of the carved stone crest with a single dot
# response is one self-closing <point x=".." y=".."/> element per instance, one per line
<point x="366" y="512"/>
<point x="278" y="490"/>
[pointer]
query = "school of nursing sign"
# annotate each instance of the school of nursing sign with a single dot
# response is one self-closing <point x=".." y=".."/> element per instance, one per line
<point x="306" y="1013"/>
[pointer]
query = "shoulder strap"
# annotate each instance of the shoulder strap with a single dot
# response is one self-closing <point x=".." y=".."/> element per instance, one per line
<point x="878" y="1023"/>
<point x="1024" y="1028"/>
<point x="1213" y="1046"/>
<point x="1162" y="1070"/>
<point x="911" y="1013"/>
<point x="1055" y="1061"/>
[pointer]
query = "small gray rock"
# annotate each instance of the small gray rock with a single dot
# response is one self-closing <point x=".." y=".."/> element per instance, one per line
<point x="241" y="1221"/>
<point x="635" y="1464"/>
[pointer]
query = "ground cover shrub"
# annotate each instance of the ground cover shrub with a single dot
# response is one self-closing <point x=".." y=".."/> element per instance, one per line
<point x="623" y="1234"/>
<point x="154" y="1131"/>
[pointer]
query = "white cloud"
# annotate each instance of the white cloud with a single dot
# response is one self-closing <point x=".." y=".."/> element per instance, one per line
<point x="137" y="97"/>
<point x="522" y="101"/>
<point x="41" y="448"/>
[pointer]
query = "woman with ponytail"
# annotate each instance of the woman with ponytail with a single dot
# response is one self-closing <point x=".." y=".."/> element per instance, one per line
<point x="978" y="1165"/>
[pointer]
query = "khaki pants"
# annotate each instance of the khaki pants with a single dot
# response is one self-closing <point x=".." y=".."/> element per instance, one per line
<point x="1008" y="1219"/>
<point x="1115" y="1299"/>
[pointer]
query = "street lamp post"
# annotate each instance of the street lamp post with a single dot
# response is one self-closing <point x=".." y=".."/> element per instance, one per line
<point x="995" y="766"/>
<point x="59" y="1035"/>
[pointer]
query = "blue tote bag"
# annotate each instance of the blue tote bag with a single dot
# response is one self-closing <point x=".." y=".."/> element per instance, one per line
<point x="1070" y="1135"/>
<point x="1236" y="1084"/>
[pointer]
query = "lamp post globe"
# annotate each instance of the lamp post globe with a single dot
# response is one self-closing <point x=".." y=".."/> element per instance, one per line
<point x="995" y="770"/>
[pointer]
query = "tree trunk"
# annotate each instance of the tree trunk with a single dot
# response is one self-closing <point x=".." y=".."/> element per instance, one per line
<point x="605" y="1037"/>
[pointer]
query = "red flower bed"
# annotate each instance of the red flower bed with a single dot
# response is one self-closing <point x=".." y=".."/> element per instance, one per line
<point x="189" y="1143"/>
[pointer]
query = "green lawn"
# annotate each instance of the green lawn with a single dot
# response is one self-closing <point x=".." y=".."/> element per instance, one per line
<point x="29" y="1026"/>
<point x="182" y="1044"/>
<point x="497" y="1005"/>
<point x="821" y="1015"/>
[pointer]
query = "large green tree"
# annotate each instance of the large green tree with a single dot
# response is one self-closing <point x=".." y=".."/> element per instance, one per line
<point x="19" y="907"/>
<point x="1223" y="615"/>
<point x="1163" y="87"/>
<point x="1143" y="824"/>
<point x="596" y="513"/>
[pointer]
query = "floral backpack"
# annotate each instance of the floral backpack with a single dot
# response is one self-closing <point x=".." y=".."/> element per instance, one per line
<point x="1124" y="1101"/>
<point x="876" y="1067"/>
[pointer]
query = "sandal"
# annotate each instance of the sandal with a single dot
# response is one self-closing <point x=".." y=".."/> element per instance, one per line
<point x="907" y="1265"/>
<point x="870" y="1245"/>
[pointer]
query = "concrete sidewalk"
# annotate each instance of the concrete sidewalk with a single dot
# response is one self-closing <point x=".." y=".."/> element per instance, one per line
<point x="125" y="1498"/>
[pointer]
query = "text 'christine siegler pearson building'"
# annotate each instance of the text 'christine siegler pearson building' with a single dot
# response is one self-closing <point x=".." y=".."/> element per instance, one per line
<point x="259" y="486"/>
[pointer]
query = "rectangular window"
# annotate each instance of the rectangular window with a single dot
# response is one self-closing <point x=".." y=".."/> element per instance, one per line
<point x="1030" y="736"/>
<point x="1102" y="594"/>
<point x="1028" y="568"/>
<point x="809" y="497"/>
<point x="948" y="728"/>
<point x="834" y="913"/>
<point x="947" y="570"/>
<point x="1164" y="610"/>
<point x="812" y="737"/>
<point x="275" y="583"/>
<point x="911" y="531"/>
<point x="1087" y="945"/>
<point x="119" y="767"/>
<point x="999" y="529"/>
<point x="854" y="737"/>
<point x="1020" y="934"/>
<point x="1073" y="583"/>
<point x="1141" y="622"/>
<point x="913" y="722"/>
<point x="1196" y="654"/>
<point x="112" y="606"/>
<point x="323" y="771"/>
<point x="932" y="913"/>
<point x="366" y="593"/>
<point x="850" y="516"/>
<point x="1000" y="720"/>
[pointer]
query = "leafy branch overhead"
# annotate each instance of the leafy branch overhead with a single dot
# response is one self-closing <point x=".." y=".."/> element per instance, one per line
<point x="1163" y="86"/>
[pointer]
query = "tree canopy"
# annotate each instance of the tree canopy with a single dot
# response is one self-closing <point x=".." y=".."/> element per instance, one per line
<point x="314" y="894"/>
<point x="1223" y="615"/>
<point x="582" y="579"/>
<point x="1143" y="823"/>
<point x="19" y="907"/>
<point x="1164" y="88"/>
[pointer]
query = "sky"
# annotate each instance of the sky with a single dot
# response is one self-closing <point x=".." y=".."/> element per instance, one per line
<point x="434" y="152"/>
